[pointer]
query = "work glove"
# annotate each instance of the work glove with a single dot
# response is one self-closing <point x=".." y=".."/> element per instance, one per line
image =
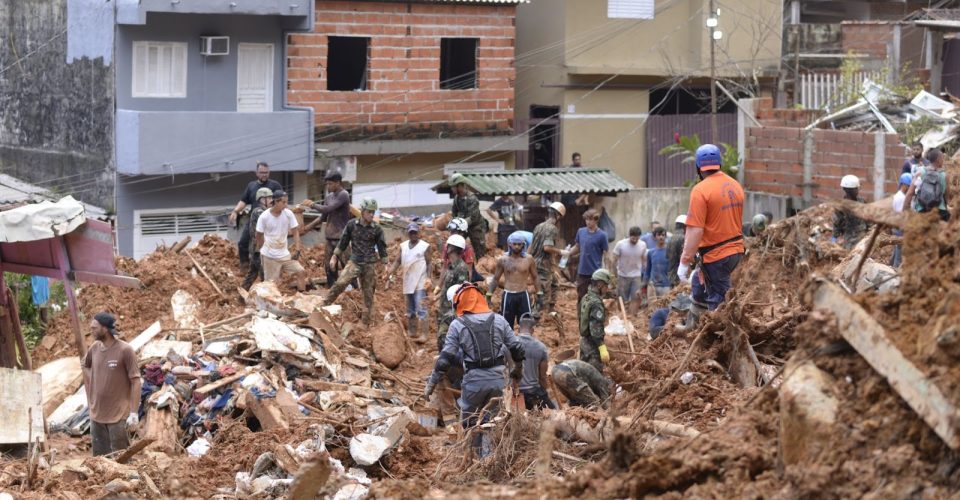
<point x="604" y="355"/>
<point x="517" y="372"/>
<point x="683" y="272"/>
<point x="428" y="390"/>
<point x="133" y="420"/>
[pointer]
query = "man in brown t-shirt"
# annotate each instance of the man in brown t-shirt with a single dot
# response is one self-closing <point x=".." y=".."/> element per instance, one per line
<point x="112" y="380"/>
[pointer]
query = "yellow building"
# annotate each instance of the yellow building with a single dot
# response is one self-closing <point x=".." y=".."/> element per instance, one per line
<point x="591" y="73"/>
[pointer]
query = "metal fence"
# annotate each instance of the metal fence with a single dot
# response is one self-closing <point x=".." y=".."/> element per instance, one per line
<point x="670" y="172"/>
<point x="822" y="90"/>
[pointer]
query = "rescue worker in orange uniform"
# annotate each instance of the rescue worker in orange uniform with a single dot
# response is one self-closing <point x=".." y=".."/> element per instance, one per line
<point x="714" y="237"/>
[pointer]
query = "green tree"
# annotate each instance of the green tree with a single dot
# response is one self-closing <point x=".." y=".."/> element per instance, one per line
<point x="686" y="150"/>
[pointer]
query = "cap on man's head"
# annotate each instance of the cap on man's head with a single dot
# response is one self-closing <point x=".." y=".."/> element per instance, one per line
<point x="413" y="228"/>
<point x="279" y="194"/>
<point x="333" y="175"/>
<point x="107" y="321"/>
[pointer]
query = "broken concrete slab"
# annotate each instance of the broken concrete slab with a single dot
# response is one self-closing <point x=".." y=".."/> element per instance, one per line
<point x="160" y="348"/>
<point x="21" y="406"/>
<point x="870" y="340"/>
<point x="275" y="335"/>
<point x="60" y="379"/>
<point x="808" y="413"/>
<point x="185" y="309"/>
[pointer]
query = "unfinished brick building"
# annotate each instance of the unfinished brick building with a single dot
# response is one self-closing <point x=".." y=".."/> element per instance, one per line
<point x="403" y="89"/>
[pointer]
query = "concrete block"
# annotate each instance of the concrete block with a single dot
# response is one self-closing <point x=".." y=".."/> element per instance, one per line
<point x="808" y="414"/>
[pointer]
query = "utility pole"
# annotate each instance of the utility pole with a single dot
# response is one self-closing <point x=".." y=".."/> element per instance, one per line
<point x="712" y="24"/>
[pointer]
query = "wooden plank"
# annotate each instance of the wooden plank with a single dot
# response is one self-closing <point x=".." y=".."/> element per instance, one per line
<point x="146" y="336"/>
<point x="133" y="450"/>
<point x="21" y="409"/>
<point x="870" y="340"/>
<point x="204" y="273"/>
<point x="222" y="382"/>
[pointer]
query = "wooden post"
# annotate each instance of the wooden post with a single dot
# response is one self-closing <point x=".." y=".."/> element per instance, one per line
<point x="623" y="311"/>
<point x="71" y="298"/>
<point x="868" y="337"/>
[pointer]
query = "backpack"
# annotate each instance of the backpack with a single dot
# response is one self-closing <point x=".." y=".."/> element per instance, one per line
<point x="930" y="191"/>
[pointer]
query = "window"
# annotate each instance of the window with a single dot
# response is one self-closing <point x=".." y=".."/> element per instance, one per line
<point x="159" y="69"/>
<point x="458" y="63"/>
<point x="153" y="228"/>
<point x="630" y="9"/>
<point x="347" y="62"/>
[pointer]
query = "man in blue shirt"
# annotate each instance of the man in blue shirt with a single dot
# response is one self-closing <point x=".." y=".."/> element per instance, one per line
<point x="648" y="237"/>
<point x="591" y="245"/>
<point x="658" y="264"/>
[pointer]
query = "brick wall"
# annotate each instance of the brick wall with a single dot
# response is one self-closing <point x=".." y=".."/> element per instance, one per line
<point x="403" y="97"/>
<point x="781" y="117"/>
<point x="775" y="161"/>
<point x="869" y="38"/>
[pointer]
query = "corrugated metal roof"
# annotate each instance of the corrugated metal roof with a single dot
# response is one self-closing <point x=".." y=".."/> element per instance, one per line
<point x="15" y="192"/>
<point x="543" y="181"/>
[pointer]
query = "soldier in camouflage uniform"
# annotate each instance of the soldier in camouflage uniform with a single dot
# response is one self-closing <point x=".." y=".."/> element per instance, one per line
<point x="543" y="248"/>
<point x="456" y="273"/>
<point x="581" y="383"/>
<point x="367" y="245"/>
<point x="593" y="315"/>
<point x="466" y="206"/>
<point x="264" y="199"/>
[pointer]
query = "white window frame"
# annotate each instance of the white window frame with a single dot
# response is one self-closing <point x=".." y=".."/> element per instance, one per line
<point x="178" y="55"/>
<point x="630" y="9"/>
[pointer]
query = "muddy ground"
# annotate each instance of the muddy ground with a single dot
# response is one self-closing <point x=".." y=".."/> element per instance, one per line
<point x="878" y="446"/>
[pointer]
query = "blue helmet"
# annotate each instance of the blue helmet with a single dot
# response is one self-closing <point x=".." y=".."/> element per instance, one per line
<point x="905" y="179"/>
<point x="708" y="157"/>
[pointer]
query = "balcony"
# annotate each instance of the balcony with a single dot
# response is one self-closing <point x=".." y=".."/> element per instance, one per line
<point x="180" y="142"/>
<point x="135" y="11"/>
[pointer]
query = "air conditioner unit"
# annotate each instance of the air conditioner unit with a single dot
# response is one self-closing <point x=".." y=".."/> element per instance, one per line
<point x="215" y="45"/>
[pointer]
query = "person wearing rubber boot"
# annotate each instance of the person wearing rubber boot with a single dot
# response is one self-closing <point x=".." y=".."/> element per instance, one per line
<point x="714" y="235"/>
<point x="518" y="270"/>
<point x="264" y="201"/>
<point x="455" y="272"/>
<point x="593" y="316"/>
<point x="414" y="256"/>
<point x="544" y="250"/>
<point x="467" y="207"/>
<point x="365" y="239"/>
<point x="484" y="339"/>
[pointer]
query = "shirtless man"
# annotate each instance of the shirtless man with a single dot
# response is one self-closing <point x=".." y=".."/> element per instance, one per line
<point x="516" y="268"/>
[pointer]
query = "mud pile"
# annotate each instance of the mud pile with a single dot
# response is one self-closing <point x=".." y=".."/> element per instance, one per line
<point x="718" y="411"/>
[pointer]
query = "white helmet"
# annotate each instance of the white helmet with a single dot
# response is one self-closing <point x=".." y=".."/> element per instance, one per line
<point x="457" y="224"/>
<point x="850" y="182"/>
<point x="452" y="292"/>
<point x="457" y="241"/>
<point x="681" y="219"/>
<point x="562" y="210"/>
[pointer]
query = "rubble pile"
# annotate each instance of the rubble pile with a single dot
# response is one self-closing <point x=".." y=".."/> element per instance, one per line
<point x="268" y="393"/>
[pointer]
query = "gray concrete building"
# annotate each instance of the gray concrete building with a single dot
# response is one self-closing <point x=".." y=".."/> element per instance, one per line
<point x="156" y="109"/>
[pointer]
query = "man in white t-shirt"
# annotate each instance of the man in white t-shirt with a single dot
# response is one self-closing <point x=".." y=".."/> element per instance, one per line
<point x="628" y="259"/>
<point x="273" y="227"/>
<point x="906" y="180"/>
<point x="414" y="257"/>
